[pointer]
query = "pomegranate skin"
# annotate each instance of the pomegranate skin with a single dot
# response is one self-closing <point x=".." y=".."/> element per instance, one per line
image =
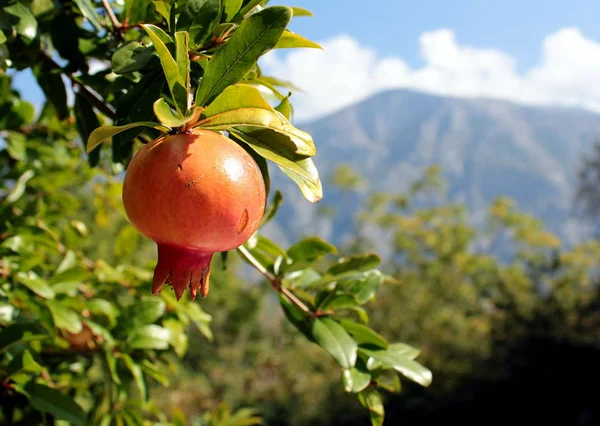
<point x="193" y="194"/>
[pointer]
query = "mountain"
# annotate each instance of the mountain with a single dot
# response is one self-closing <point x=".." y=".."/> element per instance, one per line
<point x="485" y="148"/>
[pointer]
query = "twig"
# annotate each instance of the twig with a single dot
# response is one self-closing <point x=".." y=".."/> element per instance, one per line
<point x="98" y="102"/>
<point x="113" y="19"/>
<point x="276" y="282"/>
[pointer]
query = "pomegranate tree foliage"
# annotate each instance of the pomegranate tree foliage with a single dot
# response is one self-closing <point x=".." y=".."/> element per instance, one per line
<point x="81" y="336"/>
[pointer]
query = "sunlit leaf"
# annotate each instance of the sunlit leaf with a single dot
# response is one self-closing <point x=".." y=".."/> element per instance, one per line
<point x="332" y="337"/>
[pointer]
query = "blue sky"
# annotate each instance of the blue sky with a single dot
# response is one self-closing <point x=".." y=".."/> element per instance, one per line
<point x="527" y="51"/>
<point x="392" y="27"/>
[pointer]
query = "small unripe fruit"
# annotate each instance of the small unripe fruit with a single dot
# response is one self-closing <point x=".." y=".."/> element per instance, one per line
<point x="194" y="194"/>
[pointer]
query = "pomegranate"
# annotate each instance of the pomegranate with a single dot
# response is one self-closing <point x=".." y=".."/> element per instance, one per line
<point x="193" y="194"/>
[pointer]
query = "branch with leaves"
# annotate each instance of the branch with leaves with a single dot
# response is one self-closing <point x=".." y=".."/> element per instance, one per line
<point x="174" y="66"/>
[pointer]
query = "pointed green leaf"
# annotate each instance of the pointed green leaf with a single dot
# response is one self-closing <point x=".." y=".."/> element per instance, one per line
<point x="389" y="380"/>
<point x="271" y="210"/>
<point x="370" y="398"/>
<point x="409" y="368"/>
<point x="149" y="337"/>
<point x="332" y="337"/>
<point x="20" y="185"/>
<point x="89" y="12"/>
<point x="145" y="312"/>
<point x="250" y="4"/>
<point x="292" y="40"/>
<point x="364" y="289"/>
<point x="102" y="133"/>
<point x="179" y="338"/>
<point x="56" y="403"/>
<point x="338" y="300"/>
<point x="273" y="129"/>
<point x="355" y="380"/>
<point x="64" y="317"/>
<point x="300" y="11"/>
<point x="163" y="8"/>
<point x="235" y="97"/>
<point x="310" y="249"/>
<point x="183" y="60"/>
<point x="262" y="165"/>
<point x="296" y="317"/>
<point x="285" y="108"/>
<point x="360" y="262"/>
<point x="311" y="188"/>
<point x="404" y="350"/>
<point x="2" y="37"/>
<point x="138" y="375"/>
<point x="133" y="56"/>
<point x="198" y="18"/>
<point x="177" y="84"/>
<point x="232" y="7"/>
<point x="36" y="284"/>
<point x="363" y="334"/>
<point x="22" y="21"/>
<point x="255" y="36"/>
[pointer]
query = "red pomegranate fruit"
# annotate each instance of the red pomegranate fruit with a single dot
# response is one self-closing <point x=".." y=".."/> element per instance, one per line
<point x="194" y="194"/>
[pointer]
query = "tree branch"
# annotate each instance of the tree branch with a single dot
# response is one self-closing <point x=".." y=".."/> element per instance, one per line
<point x="113" y="18"/>
<point x="276" y="282"/>
<point x="98" y="102"/>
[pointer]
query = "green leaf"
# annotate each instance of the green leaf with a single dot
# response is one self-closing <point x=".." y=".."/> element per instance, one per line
<point x="179" y="339"/>
<point x="20" y="185"/>
<point x="144" y="312"/>
<point x="182" y="59"/>
<point x="370" y="398"/>
<point x="332" y="337"/>
<point x="338" y="300"/>
<point x="64" y="317"/>
<point x="36" y="284"/>
<point x="89" y="12"/>
<point x="15" y="145"/>
<point x="389" y="381"/>
<point x="254" y="37"/>
<point x="232" y="7"/>
<point x="149" y="337"/>
<point x="136" y="372"/>
<point x="87" y="121"/>
<point x="300" y="11"/>
<point x="138" y="11"/>
<point x="311" y="187"/>
<point x="404" y="350"/>
<point x="48" y="400"/>
<point x="409" y="368"/>
<point x="199" y="17"/>
<point x="296" y="317"/>
<point x="133" y="56"/>
<point x="127" y="242"/>
<point x="355" y="380"/>
<point x="2" y="37"/>
<point x="102" y="307"/>
<point x="235" y="97"/>
<point x="111" y="363"/>
<point x="177" y="84"/>
<point x="364" y="289"/>
<point x="285" y="107"/>
<point x="102" y="133"/>
<point x="361" y="262"/>
<point x="261" y="162"/>
<point x="271" y="210"/>
<point x="26" y="25"/>
<point x="363" y="334"/>
<point x="54" y="88"/>
<point x="307" y="251"/>
<point x="22" y="364"/>
<point x="155" y="371"/>
<point x="163" y="8"/>
<point x="292" y="40"/>
<point x="274" y="133"/>
<point x="250" y="4"/>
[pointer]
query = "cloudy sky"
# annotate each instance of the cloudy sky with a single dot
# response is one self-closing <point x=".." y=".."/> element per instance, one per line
<point x="529" y="51"/>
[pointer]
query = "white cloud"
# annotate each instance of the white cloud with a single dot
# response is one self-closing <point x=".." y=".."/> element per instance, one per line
<point x="346" y="72"/>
